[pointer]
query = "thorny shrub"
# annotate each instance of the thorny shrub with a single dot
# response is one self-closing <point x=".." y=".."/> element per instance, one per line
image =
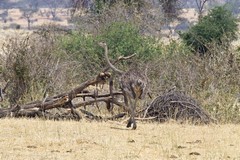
<point x="212" y="80"/>
<point x="33" y="67"/>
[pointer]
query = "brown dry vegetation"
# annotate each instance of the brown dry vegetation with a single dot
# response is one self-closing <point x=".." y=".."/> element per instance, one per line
<point x="41" y="139"/>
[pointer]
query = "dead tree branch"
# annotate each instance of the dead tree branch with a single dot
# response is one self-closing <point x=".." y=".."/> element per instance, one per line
<point x="64" y="100"/>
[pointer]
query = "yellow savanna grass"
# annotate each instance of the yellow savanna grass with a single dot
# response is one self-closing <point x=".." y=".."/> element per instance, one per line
<point x="44" y="139"/>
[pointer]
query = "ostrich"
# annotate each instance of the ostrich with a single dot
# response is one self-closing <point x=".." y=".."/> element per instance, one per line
<point x="133" y="85"/>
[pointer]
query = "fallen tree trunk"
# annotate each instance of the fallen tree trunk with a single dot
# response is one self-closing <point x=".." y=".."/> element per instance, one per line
<point x="64" y="100"/>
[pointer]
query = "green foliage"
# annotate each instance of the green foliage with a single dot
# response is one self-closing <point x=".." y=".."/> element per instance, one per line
<point x="78" y="45"/>
<point x="83" y="50"/>
<point x="122" y="39"/>
<point x="125" y="39"/>
<point x="218" y="26"/>
<point x="99" y="5"/>
<point x="174" y="47"/>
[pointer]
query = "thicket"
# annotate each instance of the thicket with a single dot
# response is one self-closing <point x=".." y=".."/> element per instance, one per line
<point x="219" y="26"/>
<point x="51" y="62"/>
<point x="33" y="66"/>
<point x="122" y="38"/>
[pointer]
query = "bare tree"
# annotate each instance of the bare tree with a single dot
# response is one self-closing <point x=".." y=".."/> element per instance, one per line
<point x="4" y="15"/>
<point x="53" y="6"/>
<point x="79" y="4"/>
<point x="170" y="10"/>
<point x="200" y="6"/>
<point x="28" y="12"/>
<point x="133" y="84"/>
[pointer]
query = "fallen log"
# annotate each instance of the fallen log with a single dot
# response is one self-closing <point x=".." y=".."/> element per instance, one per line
<point x="35" y="109"/>
<point x="64" y="100"/>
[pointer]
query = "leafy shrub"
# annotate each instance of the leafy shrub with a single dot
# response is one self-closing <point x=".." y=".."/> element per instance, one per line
<point x="83" y="50"/>
<point x="124" y="39"/>
<point x="218" y="26"/>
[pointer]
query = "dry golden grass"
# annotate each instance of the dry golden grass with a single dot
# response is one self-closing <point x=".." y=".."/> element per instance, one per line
<point x="39" y="139"/>
<point x="16" y="17"/>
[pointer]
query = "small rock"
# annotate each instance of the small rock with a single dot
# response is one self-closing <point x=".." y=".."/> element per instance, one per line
<point x="173" y="156"/>
<point x="181" y="147"/>
<point x="193" y="142"/>
<point x="31" y="146"/>
<point x="131" y="141"/>
<point x="194" y="153"/>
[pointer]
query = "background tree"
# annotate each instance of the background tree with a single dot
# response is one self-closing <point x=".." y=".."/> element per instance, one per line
<point x="200" y="6"/>
<point x="98" y="5"/>
<point x="171" y="10"/>
<point x="54" y="7"/>
<point x="219" y="27"/>
<point x="28" y="11"/>
<point x="76" y="5"/>
<point x="147" y="18"/>
<point x="234" y="6"/>
<point x="4" y="15"/>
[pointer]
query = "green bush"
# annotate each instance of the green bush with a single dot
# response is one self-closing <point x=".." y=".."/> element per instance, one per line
<point x="217" y="27"/>
<point x="122" y="39"/>
<point x="83" y="50"/>
<point x="125" y="39"/>
<point x="78" y="45"/>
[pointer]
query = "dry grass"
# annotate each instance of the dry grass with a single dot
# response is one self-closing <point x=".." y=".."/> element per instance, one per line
<point x="16" y="17"/>
<point x="39" y="139"/>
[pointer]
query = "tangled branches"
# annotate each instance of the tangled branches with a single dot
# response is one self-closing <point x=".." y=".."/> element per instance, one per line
<point x="178" y="106"/>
